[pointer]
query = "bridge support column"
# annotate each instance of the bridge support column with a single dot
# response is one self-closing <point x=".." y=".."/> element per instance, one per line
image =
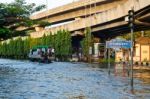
<point x="96" y="52"/>
<point x="37" y="29"/>
<point x="96" y="49"/>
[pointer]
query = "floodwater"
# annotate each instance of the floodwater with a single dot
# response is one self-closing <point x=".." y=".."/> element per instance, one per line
<point x="62" y="80"/>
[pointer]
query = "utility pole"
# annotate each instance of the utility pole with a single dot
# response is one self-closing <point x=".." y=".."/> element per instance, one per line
<point x="131" y="25"/>
<point x="108" y="61"/>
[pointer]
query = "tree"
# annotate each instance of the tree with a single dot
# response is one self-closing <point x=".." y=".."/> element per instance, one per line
<point x="15" y="14"/>
<point x="136" y="35"/>
<point x="4" y="32"/>
<point x="62" y="44"/>
<point x="20" y="48"/>
<point x="26" y="47"/>
<point x="86" y="42"/>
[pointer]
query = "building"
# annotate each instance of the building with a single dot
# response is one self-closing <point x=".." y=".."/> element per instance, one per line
<point x="142" y="49"/>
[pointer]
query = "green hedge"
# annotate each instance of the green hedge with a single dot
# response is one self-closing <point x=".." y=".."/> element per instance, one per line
<point x="19" y="49"/>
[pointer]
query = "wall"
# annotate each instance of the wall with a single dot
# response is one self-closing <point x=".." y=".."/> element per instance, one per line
<point x="145" y="52"/>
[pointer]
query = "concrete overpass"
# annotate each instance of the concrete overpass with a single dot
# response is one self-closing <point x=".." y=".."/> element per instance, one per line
<point x="79" y="9"/>
<point x="74" y="11"/>
<point x="106" y="18"/>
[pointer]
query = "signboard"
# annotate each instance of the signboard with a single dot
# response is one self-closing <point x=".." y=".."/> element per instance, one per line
<point x="118" y="43"/>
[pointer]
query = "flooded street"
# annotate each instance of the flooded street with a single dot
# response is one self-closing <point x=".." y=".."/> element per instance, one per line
<point x="61" y="80"/>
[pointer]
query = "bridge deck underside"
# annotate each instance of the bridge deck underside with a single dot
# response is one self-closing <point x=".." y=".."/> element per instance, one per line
<point x="118" y="31"/>
<point x="109" y="23"/>
<point x="121" y="27"/>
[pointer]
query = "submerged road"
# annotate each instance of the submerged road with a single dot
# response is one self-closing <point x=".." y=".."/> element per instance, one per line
<point x="61" y="80"/>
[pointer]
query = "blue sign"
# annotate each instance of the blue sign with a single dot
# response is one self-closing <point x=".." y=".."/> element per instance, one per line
<point x="118" y="43"/>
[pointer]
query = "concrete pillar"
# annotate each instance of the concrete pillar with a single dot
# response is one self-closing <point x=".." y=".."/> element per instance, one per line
<point x="77" y="18"/>
<point x="96" y="50"/>
<point x="37" y="29"/>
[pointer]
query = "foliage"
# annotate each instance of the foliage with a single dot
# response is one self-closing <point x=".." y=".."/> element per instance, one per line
<point x="136" y="35"/>
<point x="19" y="48"/>
<point x="147" y="33"/>
<point x="15" y="14"/>
<point x="4" y="32"/>
<point x="86" y="42"/>
<point x="20" y="9"/>
<point x="63" y="44"/>
<point x="14" y="49"/>
<point x="106" y="60"/>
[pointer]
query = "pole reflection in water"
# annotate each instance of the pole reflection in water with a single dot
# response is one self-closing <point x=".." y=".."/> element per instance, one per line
<point x="61" y="80"/>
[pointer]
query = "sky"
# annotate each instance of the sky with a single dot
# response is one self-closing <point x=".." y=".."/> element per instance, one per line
<point x="51" y="3"/>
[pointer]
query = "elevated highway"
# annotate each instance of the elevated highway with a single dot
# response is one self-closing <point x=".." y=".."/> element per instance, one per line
<point x="79" y="9"/>
<point x="107" y="18"/>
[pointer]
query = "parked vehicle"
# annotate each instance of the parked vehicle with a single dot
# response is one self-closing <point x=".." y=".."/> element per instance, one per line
<point x="40" y="54"/>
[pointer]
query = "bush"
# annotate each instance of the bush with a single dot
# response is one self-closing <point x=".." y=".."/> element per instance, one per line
<point x="20" y="48"/>
<point x="106" y="60"/>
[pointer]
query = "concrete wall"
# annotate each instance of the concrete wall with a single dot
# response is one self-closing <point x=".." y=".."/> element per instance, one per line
<point x="137" y="53"/>
<point x="145" y="52"/>
<point x="142" y="53"/>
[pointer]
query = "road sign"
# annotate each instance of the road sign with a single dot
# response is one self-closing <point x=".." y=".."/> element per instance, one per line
<point x="118" y="43"/>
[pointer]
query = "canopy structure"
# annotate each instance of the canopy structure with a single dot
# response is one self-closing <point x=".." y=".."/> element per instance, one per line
<point x="40" y="46"/>
<point x="143" y="40"/>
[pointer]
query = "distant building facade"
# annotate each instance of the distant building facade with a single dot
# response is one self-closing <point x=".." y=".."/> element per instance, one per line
<point x="142" y="49"/>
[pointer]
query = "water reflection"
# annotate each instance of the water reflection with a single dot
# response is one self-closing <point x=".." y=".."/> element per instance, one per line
<point x="26" y="80"/>
<point x="141" y="80"/>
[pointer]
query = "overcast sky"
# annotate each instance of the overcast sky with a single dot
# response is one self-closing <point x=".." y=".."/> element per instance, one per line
<point x="51" y="3"/>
